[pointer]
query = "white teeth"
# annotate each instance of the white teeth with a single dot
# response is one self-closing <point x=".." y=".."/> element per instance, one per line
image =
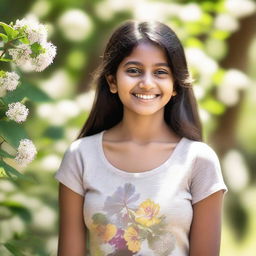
<point x="145" y="97"/>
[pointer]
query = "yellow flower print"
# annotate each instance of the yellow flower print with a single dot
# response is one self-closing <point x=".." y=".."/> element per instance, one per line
<point x="147" y="212"/>
<point x="105" y="232"/>
<point x="131" y="237"/>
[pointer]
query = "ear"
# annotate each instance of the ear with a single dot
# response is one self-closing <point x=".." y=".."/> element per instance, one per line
<point x="174" y="93"/>
<point x="112" y="83"/>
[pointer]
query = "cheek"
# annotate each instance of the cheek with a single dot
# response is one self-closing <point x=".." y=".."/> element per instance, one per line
<point x="168" y="86"/>
<point x="125" y="82"/>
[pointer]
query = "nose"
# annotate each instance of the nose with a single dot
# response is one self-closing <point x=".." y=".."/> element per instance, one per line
<point x="147" y="82"/>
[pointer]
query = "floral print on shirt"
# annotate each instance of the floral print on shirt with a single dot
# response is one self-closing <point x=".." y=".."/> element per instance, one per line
<point x="126" y="225"/>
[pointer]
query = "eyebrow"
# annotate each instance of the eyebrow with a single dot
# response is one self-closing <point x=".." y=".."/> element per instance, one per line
<point x="140" y="64"/>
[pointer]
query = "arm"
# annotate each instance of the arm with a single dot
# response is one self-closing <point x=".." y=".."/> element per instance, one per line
<point x="205" y="232"/>
<point x="72" y="230"/>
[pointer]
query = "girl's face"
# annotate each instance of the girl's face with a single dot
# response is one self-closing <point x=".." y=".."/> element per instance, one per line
<point x="143" y="80"/>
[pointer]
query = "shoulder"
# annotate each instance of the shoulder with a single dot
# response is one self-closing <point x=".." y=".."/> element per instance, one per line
<point x="201" y="150"/>
<point x="84" y="142"/>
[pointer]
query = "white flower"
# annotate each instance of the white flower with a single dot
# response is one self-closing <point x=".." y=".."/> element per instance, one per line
<point x="237" y="78"/>
<point x="50" y="162"/>
<point x="149" y="10"/>
<point x="85" y="100"/>
<point x="240" y="8"/>
<point x="201" y="62"/>
<point x="42" y="55"/>
<point x="75" y="24"/>
<point x="234" y="160"/>
<point x="9" y="81"/>
<point x="233" y="82"/>
<point x="204" y="115"/>
<point x="60" y="112"/>
<point x="21" y="54"/>
<point x="36" y="32"/>
<point x="43" y="60"/>
<point x="190" y="12"/>
<point x="226" y="22"/>
<point x="26" y="152"/>
<point x="22" y="57"/>
<point x="17" y="112"/>
<point x="57" y="85"/>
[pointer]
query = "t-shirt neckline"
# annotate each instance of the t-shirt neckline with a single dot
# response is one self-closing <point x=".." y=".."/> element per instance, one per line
<point x="155" y="170"/>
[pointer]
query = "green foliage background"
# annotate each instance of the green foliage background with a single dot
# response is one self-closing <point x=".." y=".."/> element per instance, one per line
<point x="59" y="101"/>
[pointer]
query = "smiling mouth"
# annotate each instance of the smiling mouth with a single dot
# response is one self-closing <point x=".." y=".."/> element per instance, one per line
<point x="145" y="96"/>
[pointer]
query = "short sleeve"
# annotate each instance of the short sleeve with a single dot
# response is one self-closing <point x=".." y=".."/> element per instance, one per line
<point x="71" y="170"/>
<point x="206" y="174"/>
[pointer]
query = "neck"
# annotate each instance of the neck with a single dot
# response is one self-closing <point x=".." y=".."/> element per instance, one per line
<point x="144" y="129"/>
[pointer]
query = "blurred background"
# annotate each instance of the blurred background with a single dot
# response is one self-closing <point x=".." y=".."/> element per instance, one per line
<point x="220" y="43"/>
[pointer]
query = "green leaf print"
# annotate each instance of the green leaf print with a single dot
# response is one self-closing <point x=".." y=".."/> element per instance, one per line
<point x="100" y="219"/>
<point x="163" y="244"/>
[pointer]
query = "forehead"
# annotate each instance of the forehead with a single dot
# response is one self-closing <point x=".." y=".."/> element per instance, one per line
<point x="147" y="53"/>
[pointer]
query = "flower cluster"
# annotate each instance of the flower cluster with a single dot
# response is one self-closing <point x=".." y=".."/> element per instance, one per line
<point x="9" y="80"/>
<point x="25" y="44"/>
<point x="126" y="227"/>
<point x="35" y="32"/>
<point x="26" y="152"/>
<point x="21" y="54"/>
<point x="17" y="112"/>
<point x="43" y="60"/>
<point x="35" y="54"/>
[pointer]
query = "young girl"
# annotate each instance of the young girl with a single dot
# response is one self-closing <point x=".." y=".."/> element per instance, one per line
<point x="139" y="180"/>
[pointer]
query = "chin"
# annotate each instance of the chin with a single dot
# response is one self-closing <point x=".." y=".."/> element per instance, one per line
<point x="146" y="112"/>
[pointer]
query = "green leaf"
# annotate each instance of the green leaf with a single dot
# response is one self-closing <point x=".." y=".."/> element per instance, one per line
<point x="8" y="29"/>
<point x="11" y="32"/>
<point x="5" y="59"/>
<point x="206" y="20"/>
<point x="13" y="173"/>
<point x="37" y="49"/>
<point x="213" y="106"/>
<point x="4" y="37"/>
<point x="193" y="28"/>
<point x="28" y="90"/>
<point x="220" y="34"/>
<point x="10" y="171"/>
<point x="12" y="248"/>
<point x="5" y="213"/>
<point x="36" y="94"/>
<point x="194" y="42"/>
<point x="208" y="6"/>
<point x="3" y="173"/>
<point x="2" y="73"/>
<point x="28" y="243"/>
<point x="18" y="209"/>
<point x="3" y="110"/>
<point x="218" y="77"/>
<point x="24" y="40"/>
<point x="54" y="132"/>
<point x="5" y="154"/>
<point x="12" y="132"/>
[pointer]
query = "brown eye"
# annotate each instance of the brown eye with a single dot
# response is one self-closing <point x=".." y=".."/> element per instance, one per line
<point x="133" y="71"/>
<point x="161" y="72"/>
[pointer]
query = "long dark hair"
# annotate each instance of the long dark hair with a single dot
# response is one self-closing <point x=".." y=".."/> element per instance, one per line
<point x="180" y="113"/>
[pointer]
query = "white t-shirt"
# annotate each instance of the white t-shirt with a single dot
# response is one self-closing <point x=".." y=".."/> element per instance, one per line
<point x="141" y="214"/>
